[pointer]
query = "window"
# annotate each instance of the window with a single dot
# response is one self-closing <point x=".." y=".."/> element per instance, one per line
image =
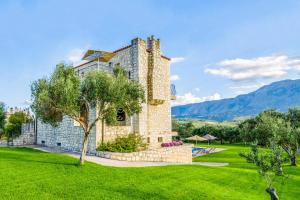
<point x="58" y="144"/>
<point x="148" y="139"/>
<point x="110" y="64"/>
<point x="160" y="139"/>
<point x="129" y="75"/>
<point x="82" y="74"/>
<point x="43" y="142"/>
<point x="121" y="116"/>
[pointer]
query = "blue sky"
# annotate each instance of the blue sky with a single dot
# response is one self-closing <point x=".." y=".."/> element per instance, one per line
<point x="219" y="48"/>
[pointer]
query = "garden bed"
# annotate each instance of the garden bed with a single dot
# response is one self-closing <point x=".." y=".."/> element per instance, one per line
<point x="174" y="154"/>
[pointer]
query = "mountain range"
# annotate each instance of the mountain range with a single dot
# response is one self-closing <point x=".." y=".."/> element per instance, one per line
<point x="279" y="95"/>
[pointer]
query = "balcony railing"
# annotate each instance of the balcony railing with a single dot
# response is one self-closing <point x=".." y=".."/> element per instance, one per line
<point x="173" y="92"/>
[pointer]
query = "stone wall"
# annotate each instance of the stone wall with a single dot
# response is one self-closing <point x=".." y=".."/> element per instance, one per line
<point x="175" y="154"/>
<point x="27" y="136"/>
<point x="3" y="142"/>
<point x="66" y="136"/>
<point x="145" y="64"/>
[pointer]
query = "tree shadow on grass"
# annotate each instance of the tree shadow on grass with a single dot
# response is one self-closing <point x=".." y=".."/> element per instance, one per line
<point x="42" y="161"/>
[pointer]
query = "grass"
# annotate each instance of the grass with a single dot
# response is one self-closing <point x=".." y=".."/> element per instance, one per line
<point x="30" y="174"/>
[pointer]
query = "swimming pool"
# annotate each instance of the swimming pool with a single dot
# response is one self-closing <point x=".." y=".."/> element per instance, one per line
<point x="195" y="149"/>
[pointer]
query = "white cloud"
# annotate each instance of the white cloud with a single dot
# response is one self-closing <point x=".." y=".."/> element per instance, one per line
<point x="197" y="89"/>
<point x="174" y="77"/>
<point x="177" y="59"/>
<point x="261" y="67"/>
<point x="75" y="55"/>
<point x="188" y="98"/>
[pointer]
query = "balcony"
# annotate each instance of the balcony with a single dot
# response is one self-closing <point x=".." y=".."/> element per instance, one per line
<point x="173" y="92"/>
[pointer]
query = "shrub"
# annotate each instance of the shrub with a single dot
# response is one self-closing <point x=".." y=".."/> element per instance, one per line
<point x="124" y="144"/>
<point x="170" y="144"/>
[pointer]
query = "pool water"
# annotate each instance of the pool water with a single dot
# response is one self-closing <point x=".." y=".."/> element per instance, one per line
<point x="195" y="149"/>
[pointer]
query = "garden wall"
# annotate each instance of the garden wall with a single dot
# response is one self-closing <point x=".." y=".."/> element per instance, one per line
<point x="27" y="136"/>
<point x="175" y="154"/>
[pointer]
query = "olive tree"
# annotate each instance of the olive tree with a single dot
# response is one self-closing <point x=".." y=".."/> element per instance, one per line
<point x="13" y="127"/>
<point x="2" y="119"/>
<point x="269" y="165"/>
<point x="283" y="134"/>
<point x="65" y="94"/>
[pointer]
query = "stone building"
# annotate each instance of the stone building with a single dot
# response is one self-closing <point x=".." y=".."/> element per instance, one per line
<point x="143" y="62"/>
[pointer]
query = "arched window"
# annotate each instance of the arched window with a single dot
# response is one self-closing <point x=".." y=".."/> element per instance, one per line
<point x="121" y="116"/>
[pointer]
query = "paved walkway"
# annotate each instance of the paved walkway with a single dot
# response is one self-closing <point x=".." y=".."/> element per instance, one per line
<point x="117" y="163"/>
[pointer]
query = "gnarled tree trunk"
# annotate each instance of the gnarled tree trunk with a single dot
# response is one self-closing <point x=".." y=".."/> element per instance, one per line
<point x="293" y="160"/>
<point x="272" y="193"/>
<point x="84" y="148"/>
<point x="102" y="131"/>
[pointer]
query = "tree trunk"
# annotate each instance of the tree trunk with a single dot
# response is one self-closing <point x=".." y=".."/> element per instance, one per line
<point x="272" y="193"/>
<point x="293" y="160"/>
<point x="84" y="148"/>
<point x="102" y="131"/>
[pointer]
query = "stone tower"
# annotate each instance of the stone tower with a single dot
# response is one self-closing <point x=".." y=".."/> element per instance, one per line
<point x="144" y="63"/>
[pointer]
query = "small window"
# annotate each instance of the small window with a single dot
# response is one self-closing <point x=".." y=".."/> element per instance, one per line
<point x="160" y="139"/>
<point x="58" y="144"/>
<point x="121" y="116"/>
<point x="129" y="75"/>
<point x="82" y="74"/>
<point x="148" y="139"/>
<point x="43" y="142"/>
<point x="110" y="64"/>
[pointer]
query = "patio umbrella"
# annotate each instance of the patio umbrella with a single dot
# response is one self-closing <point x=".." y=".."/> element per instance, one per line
<point x="196" y="138"/>
<point x="209" y="137"/>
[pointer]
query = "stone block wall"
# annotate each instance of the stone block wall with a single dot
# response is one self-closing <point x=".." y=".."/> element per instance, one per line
<point x="175" y="154"/>
<point x="65" y="136"/>
<point x="27" y="136"/>
<point x="145" y="64"/>
<point x="3" y="142"/>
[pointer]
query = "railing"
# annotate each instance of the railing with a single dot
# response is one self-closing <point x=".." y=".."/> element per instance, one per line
<point x="173" y="92"/>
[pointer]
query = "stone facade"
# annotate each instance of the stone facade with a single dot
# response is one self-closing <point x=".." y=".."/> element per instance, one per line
<point x="144" y="63"/>
<point x="175" y="154"/>
<point x="27" y="136"/>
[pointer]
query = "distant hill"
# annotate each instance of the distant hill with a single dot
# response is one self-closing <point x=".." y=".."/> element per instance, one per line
<point x="279" y="95"/>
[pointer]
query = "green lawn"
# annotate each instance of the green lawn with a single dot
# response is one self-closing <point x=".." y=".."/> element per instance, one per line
<point x="29" y="174"/>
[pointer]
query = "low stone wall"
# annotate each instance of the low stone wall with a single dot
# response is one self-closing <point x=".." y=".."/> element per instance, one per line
<point x="24" y="139"/>
<point x="3" y="142"/>
<point x="175" y="154"/>
<point x="27" y="136"/>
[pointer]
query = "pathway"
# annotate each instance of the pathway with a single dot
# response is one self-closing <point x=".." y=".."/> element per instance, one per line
<point x="117" y="163"/>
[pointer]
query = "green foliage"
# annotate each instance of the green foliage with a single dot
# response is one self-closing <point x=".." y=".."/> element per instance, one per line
<point x="2" y="119"/>
<point x="13" y="127"/>
<point x="57" y="96"/>
<point x="64" y="94"/>
<point x="184" y="129"/>
<point x="223" y="133"/>
<point x="247" y="130"/>
<point x="275" y="127"/>
<point x="293" y="116"/>
<point x="261" y="128"/>
<point x="125" y="144"/>
<point x="270" y="165"/>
